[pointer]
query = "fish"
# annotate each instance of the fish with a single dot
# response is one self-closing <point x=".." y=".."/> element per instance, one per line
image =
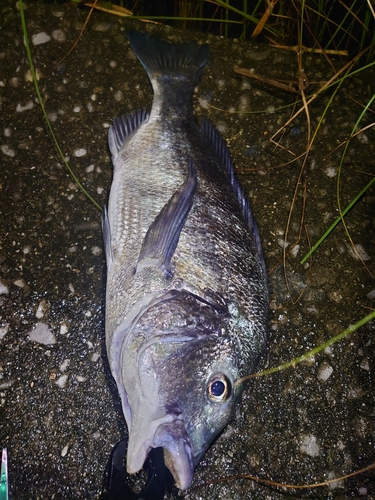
<point x="187" y="293"/>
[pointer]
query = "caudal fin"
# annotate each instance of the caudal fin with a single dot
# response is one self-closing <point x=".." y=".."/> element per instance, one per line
<point x="160" y="58"/>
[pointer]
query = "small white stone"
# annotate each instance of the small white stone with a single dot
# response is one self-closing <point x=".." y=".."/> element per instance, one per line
<point x="80" y="378"/>
<point x="80" y="152"/>
<point x="90" y="168"/>
<point x="331" y="172"/>
<point x="99" y="190"/>
<point x="4" y="330"/>
<point x="14" y="82"/>
<point x="4" y="290"/>
<point x="42" y="308"/>
<point x="113" y="64"/>
<point x="64" y="451"/>
<point x="282" y="243"/>
<point x="61" y="381"/>
<point x="119" y="96"/>
<point x="20" y="283"/>
<point x="359" y="252"/>
<point x="29" y="75"/>
<point x="325" y="370"/>
<point x="77" y="108"/>
<point x="221" y="126"/>
<point x="371" y="295"/>
<point x="64" y="365"/>
<point x="309" y="446"/>
<point x="337" y="484"/>
<point x="59" y="35"/>
<point x="64" y="328"/>
<point x="295" y="250"/>
<point x="8" y="151"/>
<point x="26" y="107"/>
<point x="96" y="250"/>
<point x="221" y="84"/>
<point x="42" y="334"/>
<point x="95" y="356"/>
<point x="40" y="38"/>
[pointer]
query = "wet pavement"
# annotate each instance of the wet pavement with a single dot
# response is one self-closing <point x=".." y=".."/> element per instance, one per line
<point x="59" y="411"/>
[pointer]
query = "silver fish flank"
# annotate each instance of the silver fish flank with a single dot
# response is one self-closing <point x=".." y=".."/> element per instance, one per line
<point x="187" y="296"/>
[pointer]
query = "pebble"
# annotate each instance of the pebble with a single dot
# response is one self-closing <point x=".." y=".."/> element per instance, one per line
<point x="59" y="35"/>
<point x="95" y="356"/>
<point x="325" y="370"/>
<point x="8" y="151"/>
<point x="309" y="446"/>
<point x="80" y="152"/>
<point x="337" y="484"/>
<point x="101" y="26"/>
<point x="359" y="252"/>
<point x="64" y="451"/>
<point x="4" y="330"/>
<point x="40" y="38"/>
<point x="64" y="365"/>
<point x="42" y="308"/>
<point x="20" y="283"/>
<point x="42" y="334"/>
<point x="61" y="381"/>
<point x="26" y="107"/>
<point x="331" y="172"/>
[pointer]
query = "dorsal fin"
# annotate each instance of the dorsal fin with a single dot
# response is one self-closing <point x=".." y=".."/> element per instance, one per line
<point x="213" y="136"/>
<point x="123" y="127"/>
<point x="163" y="234"/>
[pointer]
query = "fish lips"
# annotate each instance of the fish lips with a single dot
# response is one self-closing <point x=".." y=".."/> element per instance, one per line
<point x="170" y="434"/>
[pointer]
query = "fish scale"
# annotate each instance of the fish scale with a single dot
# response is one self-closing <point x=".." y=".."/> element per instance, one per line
<point x="187" y="295"/>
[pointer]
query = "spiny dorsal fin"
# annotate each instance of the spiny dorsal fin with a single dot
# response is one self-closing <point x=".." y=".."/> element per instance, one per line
<point x="123" y="127"/>
<point x="213" y="136"/>
<point x="162" y="236"/>
<point x="107" y="236"/>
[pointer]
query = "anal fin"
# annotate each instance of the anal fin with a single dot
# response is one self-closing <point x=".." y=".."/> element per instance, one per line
<point x="162" y="236"/>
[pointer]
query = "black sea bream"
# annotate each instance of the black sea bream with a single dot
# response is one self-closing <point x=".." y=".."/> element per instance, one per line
<point x="187" y="297"/>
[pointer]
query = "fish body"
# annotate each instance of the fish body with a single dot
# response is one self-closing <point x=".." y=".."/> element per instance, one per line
<point x="187" y="296"/>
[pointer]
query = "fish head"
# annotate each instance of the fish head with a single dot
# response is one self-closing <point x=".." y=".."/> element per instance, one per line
<point x="183" y="393"/>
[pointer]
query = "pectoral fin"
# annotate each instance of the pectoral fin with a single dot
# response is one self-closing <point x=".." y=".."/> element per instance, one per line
<point x="162" y="236"/>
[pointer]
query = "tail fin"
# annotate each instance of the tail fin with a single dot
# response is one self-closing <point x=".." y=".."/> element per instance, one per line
<point x="160" y="58"/>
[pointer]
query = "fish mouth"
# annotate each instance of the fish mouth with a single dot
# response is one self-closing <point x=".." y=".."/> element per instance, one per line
<point x="170" y="434"/>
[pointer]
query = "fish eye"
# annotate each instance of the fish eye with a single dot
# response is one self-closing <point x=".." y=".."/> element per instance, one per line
<point x="219" y="388"/>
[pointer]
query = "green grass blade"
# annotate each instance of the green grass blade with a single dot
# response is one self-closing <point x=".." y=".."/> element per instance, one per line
<point x="313" y="352"/>
<point x="354" y="201"/>
<point x="32" y="69"/>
